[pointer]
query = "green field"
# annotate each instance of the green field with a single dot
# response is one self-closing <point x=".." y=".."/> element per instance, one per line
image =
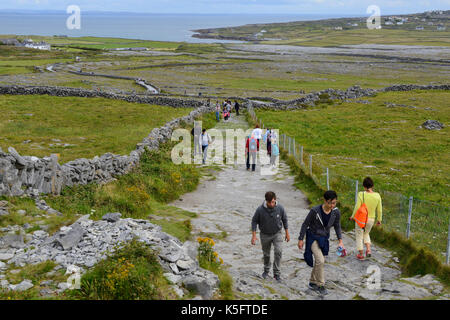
<point x="90" y="126"/>
<point x="356" y="140"/>
<point x="98" y="43"/>
<point x="22" y="60"/>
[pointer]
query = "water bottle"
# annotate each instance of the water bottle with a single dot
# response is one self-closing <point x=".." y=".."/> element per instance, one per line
<point x="340" y="251"/>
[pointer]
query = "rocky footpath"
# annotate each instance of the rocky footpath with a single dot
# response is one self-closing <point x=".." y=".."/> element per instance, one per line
<point x="29" y="175"/>
<point x="84" y="243"/>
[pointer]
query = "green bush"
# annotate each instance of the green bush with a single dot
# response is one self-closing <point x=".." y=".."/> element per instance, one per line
<point x="132" y="273"/>
<point x="209" y="259"/>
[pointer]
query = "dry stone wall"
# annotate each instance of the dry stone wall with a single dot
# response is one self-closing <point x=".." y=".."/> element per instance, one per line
<point x="79" y="92"/>
<point x="353" y="92"/>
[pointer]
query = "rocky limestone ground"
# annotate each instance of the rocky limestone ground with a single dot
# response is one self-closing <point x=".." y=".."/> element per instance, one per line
<point x="80" y="246"/>
<point x="409" y="52"/>
<point x="226" y="203"/>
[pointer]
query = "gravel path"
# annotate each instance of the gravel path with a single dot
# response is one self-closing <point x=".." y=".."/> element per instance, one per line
<point x="227" y="202"/>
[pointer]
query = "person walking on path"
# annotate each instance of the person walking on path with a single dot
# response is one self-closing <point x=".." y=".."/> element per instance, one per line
<point x="229" y="108"/>
<point x="251" y="147"/>
<point x="275" y="152"/>
<point x="196" y="133"/>
<point x="374" y="207"/>
<point x="218" y="109"/>
<point x="226" y="115"/>
<point x="270" y="217"/>
<point x="317" y="227"/>
<point x="273" y="134"/>
<point x="236" y="107"/>
<point x="257" y="132"/>
<point x="266" y="139"/>
<point x="204" y="140"/>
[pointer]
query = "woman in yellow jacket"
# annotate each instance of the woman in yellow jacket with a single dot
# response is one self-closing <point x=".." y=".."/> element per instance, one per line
<point x="373" y="202"/>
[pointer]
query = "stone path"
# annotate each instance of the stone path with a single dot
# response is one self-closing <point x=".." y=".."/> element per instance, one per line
<point x="226" y="204"/>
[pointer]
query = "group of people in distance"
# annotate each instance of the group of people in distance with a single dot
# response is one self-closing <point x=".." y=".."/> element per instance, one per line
<point x="271" y="218"/>
<point x="225" y="109"/>
<point x="252" y="146"/>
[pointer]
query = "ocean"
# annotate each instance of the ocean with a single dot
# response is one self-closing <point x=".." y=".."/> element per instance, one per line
<point x="160" y="27"/>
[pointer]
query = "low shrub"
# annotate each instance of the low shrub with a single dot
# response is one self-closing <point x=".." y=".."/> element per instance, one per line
<point x="132" y="273"/>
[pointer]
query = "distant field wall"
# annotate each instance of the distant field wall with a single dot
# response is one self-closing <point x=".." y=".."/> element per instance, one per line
<point x="29" y="175"/>
<point x="78" y="92"/>
<point x="354" y="92"/>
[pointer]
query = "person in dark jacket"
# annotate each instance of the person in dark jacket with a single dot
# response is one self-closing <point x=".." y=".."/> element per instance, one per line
<point x="317" y="227"/>
<point x="236" y="107"/>
<point x="271" y="218"/>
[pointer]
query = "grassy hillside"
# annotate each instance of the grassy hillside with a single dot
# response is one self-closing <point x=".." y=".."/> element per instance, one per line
<point x="77" y="127"/>
<point x="382" y="140"/>
<point x="378" y="139"/>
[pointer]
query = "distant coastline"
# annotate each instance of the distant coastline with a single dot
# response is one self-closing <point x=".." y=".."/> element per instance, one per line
<point x="144" y="26"/>
<point x="438" y="20"/>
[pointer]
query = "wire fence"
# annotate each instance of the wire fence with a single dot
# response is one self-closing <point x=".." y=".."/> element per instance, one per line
<point x="424" y="222"/>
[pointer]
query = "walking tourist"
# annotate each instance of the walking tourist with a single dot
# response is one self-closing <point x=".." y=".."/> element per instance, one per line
<point x="205" y="140"/>
<point x="372" y="201"/>
<point x="270" y="217"/>
<point x="317" y="227"/>
<point x="251" y="148"/>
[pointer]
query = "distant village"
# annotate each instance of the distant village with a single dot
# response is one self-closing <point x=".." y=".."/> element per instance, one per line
<point x="42" y="45"/>
<point x="27" y="43"/>
<point x="430" y="20"/>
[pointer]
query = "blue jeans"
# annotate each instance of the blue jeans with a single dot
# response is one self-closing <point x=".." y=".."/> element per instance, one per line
<point x="205" y="151"/>
<point x="217" y="115"/>
<point x="253" y="156"/>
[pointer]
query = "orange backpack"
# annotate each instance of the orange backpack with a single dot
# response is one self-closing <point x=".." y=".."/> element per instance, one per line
<point x="362" y="215"/>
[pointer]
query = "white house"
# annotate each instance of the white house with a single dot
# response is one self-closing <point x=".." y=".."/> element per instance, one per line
<point x="28" y="43"/>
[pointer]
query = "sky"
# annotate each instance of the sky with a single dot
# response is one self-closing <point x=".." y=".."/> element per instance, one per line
<point x="234" y="6"/>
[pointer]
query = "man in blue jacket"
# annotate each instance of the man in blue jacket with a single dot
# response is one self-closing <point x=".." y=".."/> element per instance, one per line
<point x="317" y="227"/>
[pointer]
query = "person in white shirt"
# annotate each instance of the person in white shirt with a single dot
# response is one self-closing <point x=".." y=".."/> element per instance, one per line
<point x="257" y="132"/>
<point x="205" y="140"/>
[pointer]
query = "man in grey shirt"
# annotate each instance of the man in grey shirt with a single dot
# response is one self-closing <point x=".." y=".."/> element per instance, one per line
<point x="270" y="217"/>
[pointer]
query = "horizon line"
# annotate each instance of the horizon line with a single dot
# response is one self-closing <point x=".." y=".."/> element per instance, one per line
<point x="207" y="13"/>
